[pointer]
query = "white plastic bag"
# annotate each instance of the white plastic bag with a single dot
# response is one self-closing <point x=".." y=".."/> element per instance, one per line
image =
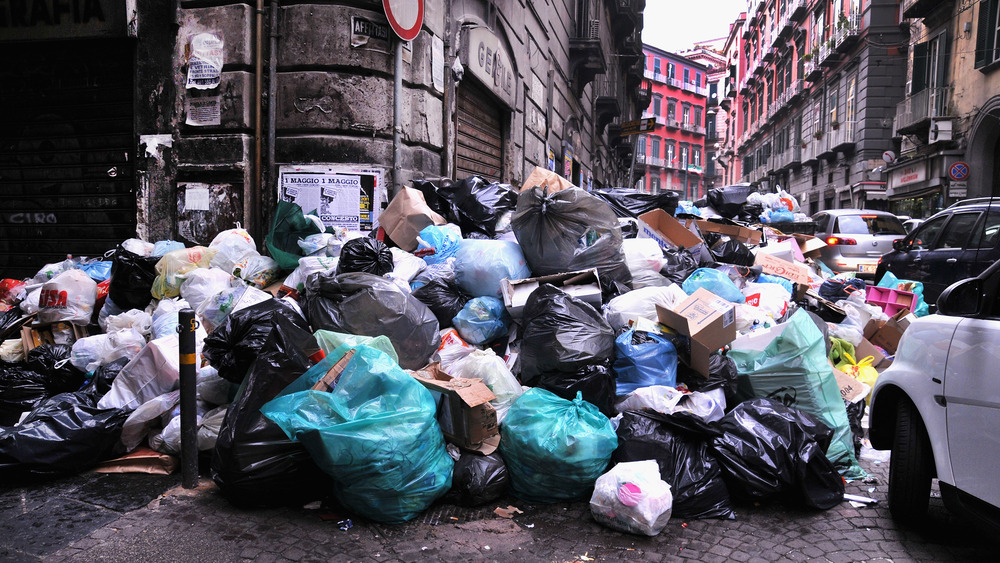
<point x="141" y="321"/>
<point x="68" y="297"/>
<point x="308" y="265"/>
<point x="668" y="400"/>
<point x="169" y="441"/>
<point x="215" y="310"/>
<point x="487" y="366"/>
<point x="203" y="283"/>
<point x="91" y="352"/>
<point x="771" y="298"/>
<point x="642" y="254"/>
<point x="138" y="424"/>
<point x="642" y="303"/>
<point x="30" y="304"/>
<point x="139" y="246"/>
<point x="258" y="271"/>
<point x="211" y="388"/>
<point x="153" y="372"/>
<point x="12" y="350"/>
<point x="166" y="317"/>
<point x="208" y="429"/>
<point x="452" y="349"/>
<point x="173" y="267"/>
<point x="233" y="246"/>
<point x="632" y="498"/>
<point x="405" y="267"/>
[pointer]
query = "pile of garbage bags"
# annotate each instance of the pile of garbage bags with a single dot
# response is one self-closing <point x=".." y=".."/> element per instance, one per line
<point x="484" y="340"/>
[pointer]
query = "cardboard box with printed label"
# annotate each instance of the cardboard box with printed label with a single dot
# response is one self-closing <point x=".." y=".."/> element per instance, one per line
<point x="783" y="268"/>
<point x="669" y="232"/>
<point x="707" y="319"/>
<point x="851" y="390"/>
<point x="464" y="411"/>
<point x="582" y="284"/>
<point x="742" y="234"/>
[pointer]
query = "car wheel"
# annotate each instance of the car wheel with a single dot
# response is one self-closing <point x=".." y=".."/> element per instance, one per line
<point x="911" y="467"/>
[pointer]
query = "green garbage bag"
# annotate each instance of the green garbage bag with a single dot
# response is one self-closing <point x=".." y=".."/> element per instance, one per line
<point x="331" y="340"/>
<point x="288" y="227"/>
<point x="789" y="363"/>
<point x="555" y="449"/>
<point x="375" y="434"/>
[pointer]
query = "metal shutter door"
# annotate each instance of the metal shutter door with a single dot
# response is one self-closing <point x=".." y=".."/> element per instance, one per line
<point x="478" y="138"/>
<point x="66" y="176"/>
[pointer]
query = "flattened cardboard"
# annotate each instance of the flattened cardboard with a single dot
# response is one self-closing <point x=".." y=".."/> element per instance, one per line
<point x="809" y="245"/>
<point x="464" y="411"/>
<point x="33" y="336"/>
<point x="707" y="319"/>
<point x="742" y="234"/>
<point x="546" y="179"/>
<point x="879" y="360"/>
<point x="783" y="268"/>
<point x="582" y="284"/>
<point x="887" y="335"/>
<point x="406" y="215"/>
<point x="851" y="389"/>
<point x="669" y="232"/>
<point x="140" y="460"/>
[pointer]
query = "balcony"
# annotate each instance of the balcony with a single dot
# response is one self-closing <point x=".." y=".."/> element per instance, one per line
<point x="811" y="70"/>
<point x="914" y="9"/>
<point x="797" y="8"/>
<point x="768" y="55"/>
<point x="841" y="139"/>
<point x="848" y="32"/>
<point x="694" y="88"/>
<point x="643" y="95"/>
<point x="586" y="59"/>
<point x="788" y="158"/>
<point x="810" y="150"/>
<point x="785" y="27"/>
<point x="828" y="55"/>
<point x="826" y="149"/>
<point x="662" y="120"/>
<point x="692" y="128"/>
<point x="626" y="17"/>
<point x="608" y="97"/>
<point x="915" y="112"/>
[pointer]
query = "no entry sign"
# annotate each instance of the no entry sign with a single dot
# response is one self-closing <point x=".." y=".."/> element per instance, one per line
<point x="405" y="17"/>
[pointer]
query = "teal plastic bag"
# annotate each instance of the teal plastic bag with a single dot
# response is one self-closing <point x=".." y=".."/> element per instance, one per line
<point x="555" y="449"/>
<point x="794" y="366"/>
<point x="329" y="341"/>
<point x="715" y="281"/>
<point x="376" y="434"/>
<point x="289" y="225"/>
<point x="890" y="281"/>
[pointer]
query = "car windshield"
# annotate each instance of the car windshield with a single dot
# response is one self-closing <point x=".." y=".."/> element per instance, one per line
<point x="869" y="225"/>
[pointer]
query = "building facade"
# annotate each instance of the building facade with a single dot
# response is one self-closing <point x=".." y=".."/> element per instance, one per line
<point x="710" y="54"/>
<point x="672" y="156"/>
<point x="947" y="124"/>
<point x="177" y="119"/>
<point x="818" y="82"/>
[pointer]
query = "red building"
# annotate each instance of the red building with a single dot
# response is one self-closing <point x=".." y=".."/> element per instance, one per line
<point x="672" y="156"/>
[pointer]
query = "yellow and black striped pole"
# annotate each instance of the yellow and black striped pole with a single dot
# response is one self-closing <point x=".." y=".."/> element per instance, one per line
<point x="189" y="419"/>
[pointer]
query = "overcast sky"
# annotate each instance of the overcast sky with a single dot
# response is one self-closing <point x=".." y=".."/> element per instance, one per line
<point x="676" y="25"/>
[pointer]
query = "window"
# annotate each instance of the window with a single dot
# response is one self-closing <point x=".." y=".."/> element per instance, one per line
<point x="657" y="100"/>
<point x="642" y="144"/>
<point x="868" y="225"/>
<point x="671" y="110"/>
<point x="697" y="79"/>
<point x="834" y="94"/>
<point x="852" y="85"/>
<point x="957" y="231"/>
<point x="687" y="75"/>
<point x="929" y="64"/>
<point x="656" y="66"/>
<point x="670" y="153"/>
<point x="654" y="184"/>
<point x="986" y="235"/>
<point x="987" y="33"/>
<point x="696" y="153"/>
<point x="670" y="70"/>
<point x="686" y="114"/>
<point x="697" y="116"/>
<point x="684" y="156"/>
<point x="924" y="236"/>
<point x="656" y="148"/>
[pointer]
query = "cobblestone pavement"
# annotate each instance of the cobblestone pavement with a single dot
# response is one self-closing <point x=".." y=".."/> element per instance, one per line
<point x="200" y="525"/>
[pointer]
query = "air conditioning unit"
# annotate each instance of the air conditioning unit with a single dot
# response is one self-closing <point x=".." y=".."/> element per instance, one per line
<point x="940" y="130"/>
<point x="595" y="29"/>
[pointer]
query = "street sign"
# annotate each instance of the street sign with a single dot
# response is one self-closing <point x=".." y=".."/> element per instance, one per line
<point x="644" y="125"/>
<point x="405" y="17"/>
<point x="959" y="171"/>
<point x="958" y="190"/>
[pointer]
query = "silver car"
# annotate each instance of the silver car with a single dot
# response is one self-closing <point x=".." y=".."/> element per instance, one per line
<point x="856" y="238"/>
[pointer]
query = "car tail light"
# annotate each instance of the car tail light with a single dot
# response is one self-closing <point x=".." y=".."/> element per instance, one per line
<point x="834" y="241"/>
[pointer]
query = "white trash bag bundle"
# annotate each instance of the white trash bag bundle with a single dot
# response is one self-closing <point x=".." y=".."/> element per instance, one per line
<point x="632" y="498"/>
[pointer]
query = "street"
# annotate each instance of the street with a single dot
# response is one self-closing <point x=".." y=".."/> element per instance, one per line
<point x="92" y="517"/>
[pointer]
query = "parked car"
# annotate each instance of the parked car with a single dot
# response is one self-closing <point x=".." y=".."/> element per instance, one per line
<point x="937" y="408"/>
<point x="910" y="224"/>
<point x="954" y="244"/>
<point x="856" y="239"/>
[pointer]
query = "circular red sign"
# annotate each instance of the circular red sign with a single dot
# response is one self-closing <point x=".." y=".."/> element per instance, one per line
<point x="402" y="18"/>
<point x="959" y="171"/>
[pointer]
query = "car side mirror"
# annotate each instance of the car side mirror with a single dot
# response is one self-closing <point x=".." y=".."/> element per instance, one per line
<point x="901" y="245"/>
<point x="961" y="299"/>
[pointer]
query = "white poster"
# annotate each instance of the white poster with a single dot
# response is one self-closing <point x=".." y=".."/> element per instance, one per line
<point x="205" y="62"/>
<point x="204" y="110"/>
<point x="342" y="196"/>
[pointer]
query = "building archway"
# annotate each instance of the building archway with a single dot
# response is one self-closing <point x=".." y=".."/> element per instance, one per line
<point x="983" y="151"/>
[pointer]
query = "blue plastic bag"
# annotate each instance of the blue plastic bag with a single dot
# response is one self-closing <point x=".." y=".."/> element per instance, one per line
<point x="715" y="281"/>
<point x="376" y="434"/>
<point x="768" y="278"/>
<point x="482" y="320"/>
<point x="97" y="271"/>
<point x="435" y="244"/>
<point x="641" y="365"/>
<point x="164" y="246"/>
<point x="917" y="288"/>
<point x="555" y="449"/>
<point x="480" y="265"/>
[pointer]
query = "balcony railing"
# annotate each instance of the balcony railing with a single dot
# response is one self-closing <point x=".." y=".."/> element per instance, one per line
<point x="841" y="138"/>
<point x="811" y="70"/>
<point x="692" y="128"/>
<point x="920" y="107"/>
<point x="827" y="51"/>
<point x="797" y="8"/>
<point x="848" y="31"/>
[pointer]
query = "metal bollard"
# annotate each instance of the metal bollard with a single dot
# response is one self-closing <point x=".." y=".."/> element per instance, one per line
<point x="189" y="419"/>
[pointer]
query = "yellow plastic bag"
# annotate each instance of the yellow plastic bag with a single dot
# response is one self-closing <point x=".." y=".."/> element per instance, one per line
<point x="863" y="371"/>
<point x="171" y="269"/>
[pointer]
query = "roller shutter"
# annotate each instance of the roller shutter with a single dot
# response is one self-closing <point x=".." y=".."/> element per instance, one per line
<point x="66" y="163"/>
<point x="478" y="134"/>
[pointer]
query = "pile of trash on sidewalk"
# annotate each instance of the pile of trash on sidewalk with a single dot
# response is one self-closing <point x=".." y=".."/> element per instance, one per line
<point x="661" y="358"/>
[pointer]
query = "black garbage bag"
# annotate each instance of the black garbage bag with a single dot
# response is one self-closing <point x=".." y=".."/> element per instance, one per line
<point x="12" y="320"/>
<point x="66" y="433"/>
<point x="630" y="203"/>
<point x="478" y="479"/>
<point x="473" y="204"/>
<point x="365" y="254"/>
<point x="729" y="201"/>
<point x="131" y="279"/>
<point x="561" y="333"/>
<point x="232" y="346"/>
<point x="750" y="213"/>
<point x="20" y="390"/>
<point x="53" y="360"/>
<point x="678" y="264"/>
<point x="100" y="383"/>
<point x="685" y="459"/>
<point x="732" y="251"/>
<point x="254" y="463"/>
<point x="770" y="451"/>
<point x="595" y="381"/>
<point x="567" y="231"/>
<point x="855" y="414"/>
<point x="444" y="298"/>
<point x="838" y="290"/>
<point x="722" y="374"/>
<point x="370" y="305"/>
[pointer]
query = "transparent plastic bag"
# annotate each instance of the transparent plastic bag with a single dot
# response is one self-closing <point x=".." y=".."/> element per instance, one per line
<point x="480" y="265"/>
<point x="258" y="271"/>
<point x="172" y="269"/>
<point x="91" y="352"/>
<point x="715" y="281"/>
<point x="141" y="321"/>
<point x="203" y="283"/>
<point x="482" y="320"/>
<point x="232" y="246"/>
<point x="641" y="303"/>
<point x="486" y="365"/>
<point x="632" y="498"/>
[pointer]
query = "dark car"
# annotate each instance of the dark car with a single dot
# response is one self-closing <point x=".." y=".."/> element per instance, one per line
<point x="956" y="243"/>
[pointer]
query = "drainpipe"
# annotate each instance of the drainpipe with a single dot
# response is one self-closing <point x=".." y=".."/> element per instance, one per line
<point x="251" y="208"/>
<point x="272" y="88"/>
<point x="397" y="122"/>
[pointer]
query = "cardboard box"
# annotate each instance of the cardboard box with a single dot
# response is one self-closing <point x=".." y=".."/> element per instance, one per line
<point x="810" y="246"/>
<point x="742" y="234"/>
<point x="464" y="411"/>
<point x="879" y="360"/>
<point x="582" y="284"/>
<point x="707" y="319"/>
<point x="405" y="216"/>
<point x="786" y="249"/>
<point x="669" y="232"/>
<point x="546" y="179"/>
<point x="778" y="267"/>
<point x="887" y="335"/>
<point x="33" y="336"/>
<point x="851" y="389"/>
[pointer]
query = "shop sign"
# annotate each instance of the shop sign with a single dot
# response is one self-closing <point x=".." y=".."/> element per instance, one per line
<point x="490" y="62"/>
<point x="62" y="19"/>
<point x="911" y="174"/>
